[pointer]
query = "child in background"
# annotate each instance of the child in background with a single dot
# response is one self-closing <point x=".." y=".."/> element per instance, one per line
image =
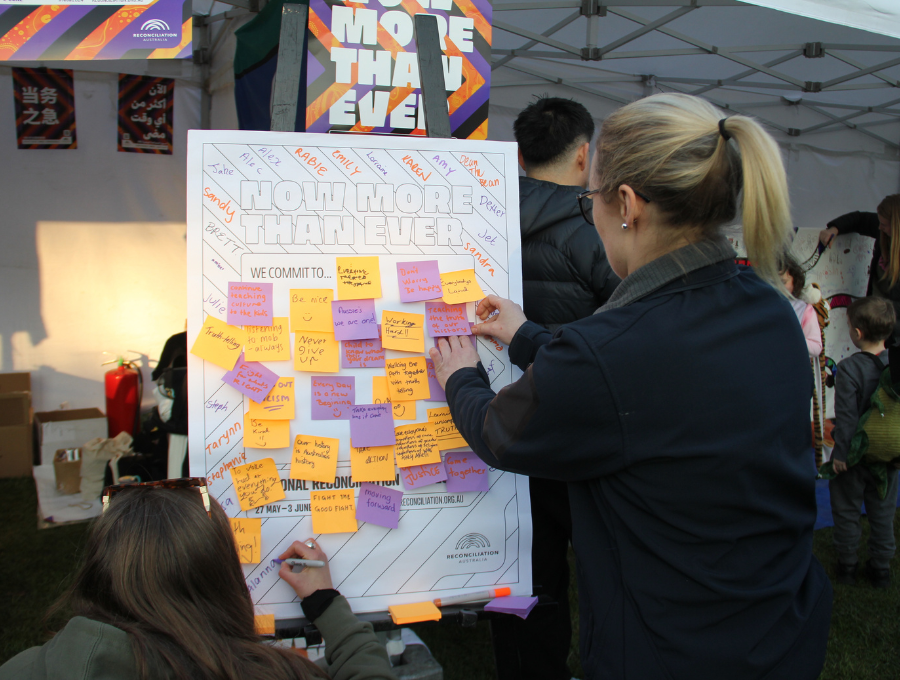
<point x="795" y="281"/>
<point x="856" y="379"/>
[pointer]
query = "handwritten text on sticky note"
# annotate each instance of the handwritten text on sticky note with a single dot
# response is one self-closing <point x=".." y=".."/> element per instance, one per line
<point x="445" y="319"/>
<point x="422" y="475"/>
<point x="407" y="378"/>
<point x="249" y="303"/>
<point x="372" y="463"/>
<point x="266" y="434"/>
<point x="403" y="331"/>
<point x="354" y="319"/>
<point x="333" y="512"/>
<point x="219" y="343"/>
<point x="358" y="278"/>
<point x="310" y="309"/>
<point x="251" y="378"/>
<point x="314" y="352"/>
<point x="257" y="484"/>
<point x="416" y="445"/>
<point x="247" y="535"/>
<point x="403" y="410"/>
<point x="268" y="343"/>
<point x="466" y="472"/>
<point x="362" y="354"/>
<point x="314" y="458"/>
<point x="278" y="404"/>
<point x="445" y="429"/>
<point x="461" y="286"/>
<point x="371" y="425"/>
<point x="332" y="397"/>
<point x="419" y="280"/>
<point x="379" y="505"/>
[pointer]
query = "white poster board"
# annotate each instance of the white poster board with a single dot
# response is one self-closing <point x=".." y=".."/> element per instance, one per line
<point x="279" y="208"/>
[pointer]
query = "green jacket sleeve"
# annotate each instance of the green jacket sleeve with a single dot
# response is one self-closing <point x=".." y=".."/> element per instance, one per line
<point x="351" y="648"/>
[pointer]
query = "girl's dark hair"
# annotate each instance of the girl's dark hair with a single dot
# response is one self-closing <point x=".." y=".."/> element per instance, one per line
<point x="162" y="570"/>
<point x="793" y="269"/>
<point x="874" y="316"/>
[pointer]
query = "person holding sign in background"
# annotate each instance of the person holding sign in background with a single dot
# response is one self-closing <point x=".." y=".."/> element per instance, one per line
<point x="161" y="594"/>
<point x="692" y="502"/>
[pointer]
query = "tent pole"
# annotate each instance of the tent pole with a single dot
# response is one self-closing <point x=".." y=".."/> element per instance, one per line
<point x="287" y="74"/>
<point x="431" y="77"/>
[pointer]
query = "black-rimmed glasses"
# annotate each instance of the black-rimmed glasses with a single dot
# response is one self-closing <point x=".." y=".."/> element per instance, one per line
<point x="182" y="483"/>
<point x="587" y="204"/>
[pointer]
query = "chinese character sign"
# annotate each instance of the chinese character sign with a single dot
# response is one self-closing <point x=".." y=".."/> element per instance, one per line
<point x="45" y="108"/>
<point x="363" y="71"/>
<point x="145" y="114"/>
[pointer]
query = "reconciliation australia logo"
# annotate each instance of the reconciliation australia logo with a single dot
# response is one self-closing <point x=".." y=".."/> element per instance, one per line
<point x="472" y="548"/>
<point x="155" y="30"/>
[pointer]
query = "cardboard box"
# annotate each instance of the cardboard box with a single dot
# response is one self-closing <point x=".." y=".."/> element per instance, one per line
<point x="15" y="425"/>
<point x="67" y="430"/>
<point x="67" y="472"/>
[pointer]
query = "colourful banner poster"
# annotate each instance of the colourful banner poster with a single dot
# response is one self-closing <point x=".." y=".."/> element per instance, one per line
<point x="363" y="73"/>
<point x="145" y="114"/>
<point x="157" y="30"/>
<point x="45" y="108"/>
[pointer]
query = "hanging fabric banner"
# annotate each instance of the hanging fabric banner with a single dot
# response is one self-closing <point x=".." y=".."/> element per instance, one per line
<point x="146" y="105"/>
<point x="45" y="108"/>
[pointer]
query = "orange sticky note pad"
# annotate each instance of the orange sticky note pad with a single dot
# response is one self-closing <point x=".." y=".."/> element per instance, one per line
<point x="279" y="404"/>
<point x="311" y="310"/>
<point x="413" y="613"/>
<point x="461" y="286"/>
<point x="219" y="343"/>
<point x="403" y="410"/>
<point x="407" y="378"/>
<point x="257" y="484"/>
<point x="358" y="278"/>
<point x="316" y="352"/>
<point x="268" y="343"/>
<point x="448" y="437"/>
<point x="416" y="445"/>
<point x="333" y="512"/>
<point x="247" y="535"/>
<point x="314" y="458"/>
<point x="403" y="331"/>
<point x="372" y="463"/>
<point x="265" y="624"/>
<point x="266" y="434"/>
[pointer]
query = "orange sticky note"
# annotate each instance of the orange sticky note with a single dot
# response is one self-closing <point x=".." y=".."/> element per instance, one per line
<point x="219" y="343"/>
<point x="316" y="352"/>
<point x="257" y="484"/>
<point x="461" y="286"/>
<point x="372" y="463"/>
<point x="416" y="445"/>
<point x="403" y="410"/>
<point x="268" y="343"/>
<point x="314" y="458"/>
<point x="266" y="434"/>
<point x="279" y="404"/>
<point x="358" y="278"/>
<point x="333" y="512"/>
<point x="265" y="624"/>
<point x="247" y="535"/>
<point x="448" y="437"/>
<point x="412" y="613"/>
<point x="407" y="378"/>
<point x="311" y="310"/>
<point x="403" y="331"/>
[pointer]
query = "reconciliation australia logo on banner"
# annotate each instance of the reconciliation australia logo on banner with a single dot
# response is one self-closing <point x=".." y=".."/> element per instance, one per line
<point x="155" y="30"/>
<point x="473" y="547"/>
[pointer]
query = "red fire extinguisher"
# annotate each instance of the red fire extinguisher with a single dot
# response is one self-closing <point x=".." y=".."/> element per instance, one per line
<point x="123" y="397"/>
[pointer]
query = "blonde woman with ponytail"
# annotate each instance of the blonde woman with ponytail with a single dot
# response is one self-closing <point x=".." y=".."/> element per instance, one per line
<point x="690" y="483"/>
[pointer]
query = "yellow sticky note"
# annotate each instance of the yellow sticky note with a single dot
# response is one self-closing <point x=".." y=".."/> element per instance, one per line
<point x="265" y="624"/>
<point x="248" y="537"/>
<point x="314" y="458"/>
<point x="268" y="343"/>
<point x="316" y="352"/>
<point x="416" y="445"/>
<point x="311" y="310"/>
<point x="403" y="410"/>
<point x="219" y="343"/>
<point x="358" y="278"/>
<point x="257" y="484"/>
<point x="461" y="286"/>
<point x="412" y="613"/>
<point x="372" y="463"/>
<point x="279" y="404"/>
<point x="333" y="512"/>
<point x="448" y="437"/>
<point x="407" y="378"/>
<point x="403" y="331"/>
<point x="266" y="434"/>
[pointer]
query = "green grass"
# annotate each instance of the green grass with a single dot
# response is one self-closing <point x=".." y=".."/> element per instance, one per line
<point x="36" y="566"/>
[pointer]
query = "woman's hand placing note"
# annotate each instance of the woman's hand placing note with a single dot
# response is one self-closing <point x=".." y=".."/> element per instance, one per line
<point x="501" y="318"/>
<point x="311" y="579"/>
<point x="452" y="354"/>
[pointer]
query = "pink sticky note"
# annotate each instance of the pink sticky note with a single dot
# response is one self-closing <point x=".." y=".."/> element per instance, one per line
<point x="437" y="392"/>
<point x="332" y="396"/>
<point x="419" y="280"/>
<point x="446" y="319"/>
<point x="251" y="378"/>
<point x="465" y="472"/>
<point x="422" y="475"/>
<point x="469" y="334"/>
<point x="379" y="505"/>
<point x="372" y="425"/>
<point x="362" y="354"/>
<point x="249" y="304"/>
<point x="354" y="319"/>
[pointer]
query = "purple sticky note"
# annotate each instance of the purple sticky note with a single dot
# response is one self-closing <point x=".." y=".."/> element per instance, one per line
<point x="419" y="281"/>
<point x="249" y="304"/>
<point x="332" y="396"/>
<point x="469" y="334"/>
<point x="465" y="472"/>
<point x="372" y="425"/>
<point x="354" y="319"/>
<point x="251" y="378"/>
<point x="422" y="475"/>
<point x="520" y="606"/>
<point x="378" y="505"/>
<point x="362" y="354"/>
<point x="437" y="392"/>
<point x="445" y="319"/>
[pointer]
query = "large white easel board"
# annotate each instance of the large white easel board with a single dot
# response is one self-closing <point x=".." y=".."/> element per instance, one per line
<point x="453" y="201"/>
